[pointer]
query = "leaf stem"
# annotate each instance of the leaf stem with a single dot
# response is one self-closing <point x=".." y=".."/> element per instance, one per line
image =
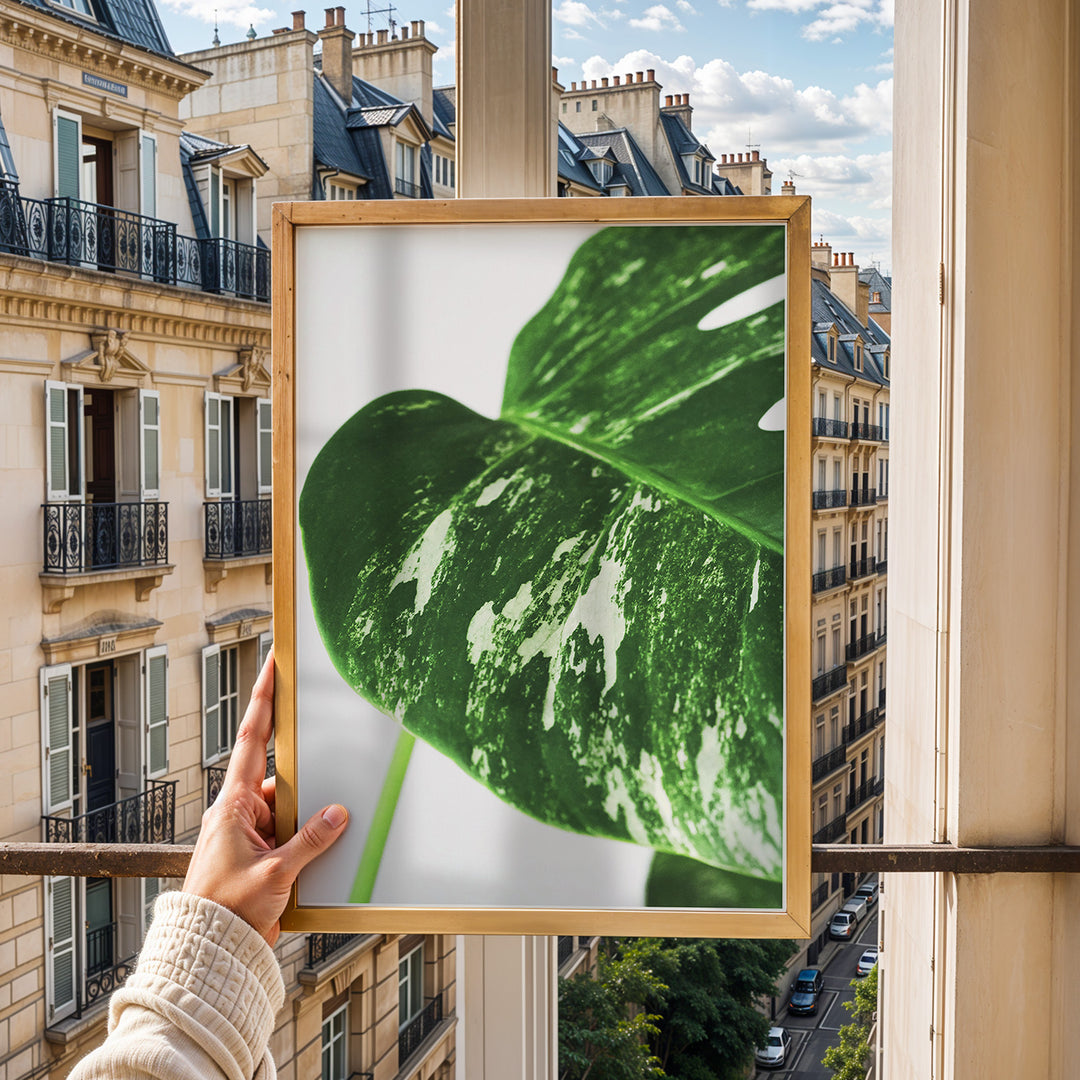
<point x="368" y="869"/>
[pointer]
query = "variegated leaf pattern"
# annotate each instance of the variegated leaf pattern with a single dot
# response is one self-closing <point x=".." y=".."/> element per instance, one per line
<point x="580" y="602"/>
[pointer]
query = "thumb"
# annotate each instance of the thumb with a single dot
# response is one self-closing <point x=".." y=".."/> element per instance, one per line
<point x="313" y="838"/>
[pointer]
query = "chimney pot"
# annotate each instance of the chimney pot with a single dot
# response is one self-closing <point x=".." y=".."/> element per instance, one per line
<point x="629" y="77"/>
<point x="615" y="80"/>
<point x="404" y="33"/>
<point x="740" y="157"/>
<point x="419" y="31"/>
<point x="757" y="155"/>
<point x="413" y="26"/>
<point x="339" y="16"/>
<point x="383" y="36"/>
<point x="667" y="101"/>
<point x="639" y="77"/>
<point x="603" y="82"/>
<point x="329" y="17"/>
<point x="650" y="74"/>
<point x="573" y="86"/>
<point x="298" y="20"/>
<point x="594" y="84"/>
<point x="836" y="259"/>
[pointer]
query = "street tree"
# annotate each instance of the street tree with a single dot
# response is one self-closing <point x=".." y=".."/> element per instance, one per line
<point x="850" y="1059"/>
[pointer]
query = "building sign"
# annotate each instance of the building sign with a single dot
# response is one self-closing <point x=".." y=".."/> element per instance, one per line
<point x="107" y="646"/>
<point x="98" y="83"/>
<point x="550" y="565"/>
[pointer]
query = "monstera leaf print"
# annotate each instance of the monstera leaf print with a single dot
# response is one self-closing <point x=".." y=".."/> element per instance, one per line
<point x="580" y="602"/>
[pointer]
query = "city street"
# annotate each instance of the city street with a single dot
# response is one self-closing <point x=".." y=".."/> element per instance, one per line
<point x="812" y="1035"/>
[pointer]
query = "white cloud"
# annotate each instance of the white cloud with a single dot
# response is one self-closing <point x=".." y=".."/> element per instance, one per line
<point x="793" y="7"/>
<point x="656" y="18"/>
<point x="833" y="18"/>
<point x="572" y="35"/>
<point x="864" y="178"/>
<point x="563" y="61"/>
<point x="686" y="7"/>
<point x="433" y="28"/>
<point x="451" y="12"/>
<point x="223" y="12"/>
<point x="870" y="236"/>
<point x="575" y="13"/>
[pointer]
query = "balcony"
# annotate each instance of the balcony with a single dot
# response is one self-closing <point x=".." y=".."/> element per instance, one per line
<point x="321" y="947"/>
<point x="861" y="646"/>
<point x="867" y="790"/>
<point x="881" y="701"/>
<point x="882" y="566"/>
<point x="215" y="777"/>
<point x="84" y="537"/>
<point x="829" y="429"/>
<point x="146" y="818"/>
<point x="866" y="432"/>
<point x="829" y="579"/>
<point x="828" y="762"/>
<point x="406" y="188"/>
<point x="859" y="727"/>
<point x="237" y="529"/>
<point x="832" y="832"/>
<point x="104" y="973"/>
<point x="829" y="500"/>
<point x="566" y="948"/>
<point x="418" y="1029"/>
<point x="97" y="237"/>
<point x="829" y="682"/>
<point x="820" y="895"/>
<point x="863" y="496"/>
<point x="861" y="568"/>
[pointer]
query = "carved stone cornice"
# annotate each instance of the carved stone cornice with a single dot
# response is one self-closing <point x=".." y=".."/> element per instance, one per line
<point x="109" y="361"/>
<point x="83" y="47"/>
<point x="249" y="376"/>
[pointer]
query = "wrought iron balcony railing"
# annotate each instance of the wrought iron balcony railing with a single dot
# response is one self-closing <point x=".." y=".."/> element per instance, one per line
<point x="829" y="579"/>
<point x="321" y="947"/>
<point x="828" y="762"/>
<point x="566" y="948"/>
<point x="418" y="1029"/>
<point x="834" y="429"/>
<point x="215" y="777"/>
<point x="861" y="646"/>
<point x="828" y="682"/>
<point x="832" y="832"/>
<point x="861" y="725"/>
<point x="81" y="537"/>
<point x="829" y="500"/>
<point x="146" y="818"/>
<point x="820" y="895"/>
<point x="867" y="432"/>
<point x="866" y="791"/>
<point x="881" y="699"/>
<point x="863" y="567"/>
<point x="882" y="566"/>
<point x="98" y="237"/>
<point x="236" y="528"/>
<point x="103" y="972"/>
<point x="407" y="188"/>
<point x="863" y="496"/>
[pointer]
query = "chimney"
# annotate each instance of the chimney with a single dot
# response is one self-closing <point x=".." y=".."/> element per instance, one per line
<point x="845" y="285"/>
<point x="650" y="75"/>
<point x="298" y="20"/>
<point x="638" y="77"/>
<point x="787" y="187"/>
<point x="615" y="80"/>
<point x="679" y="105"/>
<point x="400" y="65"/>
<point x="337" y="46"/>
<point x="821" y="255"/>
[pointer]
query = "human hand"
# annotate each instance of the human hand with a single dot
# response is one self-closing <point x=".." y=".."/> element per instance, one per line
<point x="236" y="862"/>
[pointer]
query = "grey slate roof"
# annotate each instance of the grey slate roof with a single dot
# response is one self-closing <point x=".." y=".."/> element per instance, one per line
<point x="444" y="104"/>
<point x="335" y="146"/>
<point x="878" y="283"/>
<point x="376" y="116"/>
<point x="633" y="166"/>
<point x="828" y="310"/>
<point x="682" y="141"/>
<point x="133" y="21"/>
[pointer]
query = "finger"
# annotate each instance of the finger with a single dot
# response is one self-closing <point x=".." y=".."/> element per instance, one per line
<point x="248" y="764"/>
<point x="269" y="792"/>
<point x="316" y="835"/>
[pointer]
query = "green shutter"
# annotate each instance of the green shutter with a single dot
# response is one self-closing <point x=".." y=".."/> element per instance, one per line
<point x="266" y="445"/>
<point x="60" y="947"/>
<point x="157" y="711"/>
<point x="148" y="175"/>
<point x="150" y="462"/>
<point x="68" y="156"/>
<point x="215" y="202"/>
<point x="211" y="683"/>
<point x="213" y="445"/>
<point x="56" y="443"/>
<point x="56" y="737"/>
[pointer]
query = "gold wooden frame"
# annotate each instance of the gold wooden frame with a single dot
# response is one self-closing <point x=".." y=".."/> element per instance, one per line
<point x="793" y="920"/>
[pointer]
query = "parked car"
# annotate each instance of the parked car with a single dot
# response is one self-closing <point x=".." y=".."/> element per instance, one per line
<point x="869" y="892"/>
<point x="776" y="1049"/>
<point x="867" y="962"/>
<point x="842" y="926"/>
<point x="805" y="992"/>
<point x="857" y="907"/>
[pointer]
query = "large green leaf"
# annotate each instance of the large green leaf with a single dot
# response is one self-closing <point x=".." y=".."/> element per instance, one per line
<point x="580" y="602"/>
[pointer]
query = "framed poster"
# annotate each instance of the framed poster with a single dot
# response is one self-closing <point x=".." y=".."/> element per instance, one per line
<point x="541" y="563"/>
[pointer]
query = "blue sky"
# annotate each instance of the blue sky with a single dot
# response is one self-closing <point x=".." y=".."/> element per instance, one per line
<point x="810" y="81"/>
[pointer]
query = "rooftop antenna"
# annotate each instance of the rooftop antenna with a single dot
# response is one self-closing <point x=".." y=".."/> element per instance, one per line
<point x="793" y="176"/>
<point x="217" y="37"/>
<point x="751" y="145"/>
<point x="388" y="11"/>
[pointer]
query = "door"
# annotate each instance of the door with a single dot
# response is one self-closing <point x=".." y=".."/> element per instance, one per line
<point x="129" y="764"/>
<point x="101" y="433"/>
<point x="100" y="926"/>
<point x="99" y="223"/>
<point x="100" y="744"/>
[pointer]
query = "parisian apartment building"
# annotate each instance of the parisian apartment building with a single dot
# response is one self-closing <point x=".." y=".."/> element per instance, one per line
<point x="135" y="195"/>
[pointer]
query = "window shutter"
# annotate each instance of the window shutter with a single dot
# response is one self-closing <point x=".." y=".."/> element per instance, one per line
<point x="266" y="444"/>
<point x="56" y="715"/>
<point x="148" y="174"/>
<point x="150" y="444"/>
<point x="226" y="416"/>
<point x="67" y="154"/>
<point x="213" y="445"/>
<point x="151" y="889"/>
<point x="60" y="970"/>
<point x="57" y="480"/>
<point x="215" y="201"/>
<point x="156" y="683"/>
<point x="266" y="639"/>
<point x="211" y="688"/>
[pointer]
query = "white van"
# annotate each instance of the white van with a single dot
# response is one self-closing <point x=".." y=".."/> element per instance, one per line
<point x="857" y="906"/>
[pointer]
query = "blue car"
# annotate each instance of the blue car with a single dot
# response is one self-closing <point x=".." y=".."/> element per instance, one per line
<point x="805" y="992"/>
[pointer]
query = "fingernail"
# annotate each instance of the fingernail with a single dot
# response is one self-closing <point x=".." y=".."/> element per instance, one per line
<point x="334" y="816"/>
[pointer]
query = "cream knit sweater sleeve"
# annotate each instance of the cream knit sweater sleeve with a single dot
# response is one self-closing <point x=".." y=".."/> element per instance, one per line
<point x="199" y="1006"/>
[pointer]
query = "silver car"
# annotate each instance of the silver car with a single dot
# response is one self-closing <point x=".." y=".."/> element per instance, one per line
<point x="775" y="1051"/>
<point x="867" y="962"/>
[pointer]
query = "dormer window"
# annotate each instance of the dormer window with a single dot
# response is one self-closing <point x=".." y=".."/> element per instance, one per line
<point x="875" y="298"/>
<point x="80" y="7"/>
<point x="601" y="171"/>
<point x="335" y="189"/>
<point x="858" y="356"/>
<point x="832" y="349"/>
